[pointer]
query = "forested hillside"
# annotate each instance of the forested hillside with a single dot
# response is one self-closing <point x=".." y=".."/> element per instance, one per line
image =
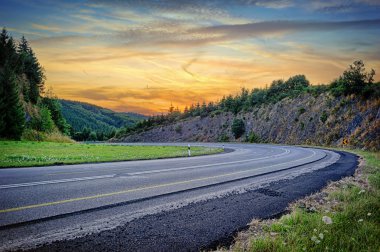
<point x="344" y="112"/>
<point x="88" y="117"/>
<point x="24" y="112"/>
<point x="29" y="112"/>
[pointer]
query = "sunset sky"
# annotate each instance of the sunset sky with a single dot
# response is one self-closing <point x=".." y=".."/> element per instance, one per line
<point x="141" y="55"/>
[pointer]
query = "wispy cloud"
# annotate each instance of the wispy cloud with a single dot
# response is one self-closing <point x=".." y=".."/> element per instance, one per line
<point x="284" y="26"/>
<point x="142" y="55"/>
<point x="199" y="5"/>
<point x="47" y="28"/>
<point x="186" y="66"/>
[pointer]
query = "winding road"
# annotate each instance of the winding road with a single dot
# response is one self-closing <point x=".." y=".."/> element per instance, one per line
<point x="79" y="206"/>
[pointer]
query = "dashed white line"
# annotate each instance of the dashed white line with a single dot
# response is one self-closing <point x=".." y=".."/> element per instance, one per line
<point x="55" y="181"/>
<point x="286" y="151"/>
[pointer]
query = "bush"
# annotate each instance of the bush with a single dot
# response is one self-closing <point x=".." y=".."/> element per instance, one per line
<point x="216" y="112"/>
<point x="92" y="136"/>
<point x="353" y="81"/>
<point x="47" y="121"/>
<point x="253" y="138"/>
<point x="224" y="138"/>
<point x="54" y="136"/>
<point x="302" y="125"/>
<point x="32" y="135"/>
<point x="324" y="117"/>
<point x="301" y="111"/>
<point x="56" y="114"/>
<point x="43" y="121"/>
<point x="178" y="129"/>
<point x="238" y="128"/>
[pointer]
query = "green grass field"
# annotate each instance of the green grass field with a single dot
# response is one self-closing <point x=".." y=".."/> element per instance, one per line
<point x="28" y="153"/>
<point x="352" y="205"/>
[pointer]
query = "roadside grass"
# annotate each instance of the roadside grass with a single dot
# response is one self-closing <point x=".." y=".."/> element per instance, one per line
<point x="345" y="216"/>
<point x="31" y="153"/>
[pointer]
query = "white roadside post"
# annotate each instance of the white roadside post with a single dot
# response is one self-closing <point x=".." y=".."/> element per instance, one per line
<point x="188" y="150"/>
<point x="223" y="146"/>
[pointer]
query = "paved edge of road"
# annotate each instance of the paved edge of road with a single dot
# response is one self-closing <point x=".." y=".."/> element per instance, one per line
<point x="212" y="223"/>
<point x="124" y="203"/>
<point x="351" y="167"/>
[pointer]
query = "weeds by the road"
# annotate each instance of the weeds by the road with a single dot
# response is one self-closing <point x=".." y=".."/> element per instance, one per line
<point x="345" y="216"/>
<point x="24" y="153"/>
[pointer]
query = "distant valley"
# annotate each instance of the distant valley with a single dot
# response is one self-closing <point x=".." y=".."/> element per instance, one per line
<point x="82" y="115"/>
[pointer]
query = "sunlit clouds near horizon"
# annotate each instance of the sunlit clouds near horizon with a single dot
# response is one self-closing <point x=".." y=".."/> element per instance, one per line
<point x="142" y="56"/>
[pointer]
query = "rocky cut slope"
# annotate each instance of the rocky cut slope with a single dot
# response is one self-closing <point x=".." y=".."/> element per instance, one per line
<point x="307" y="119"/>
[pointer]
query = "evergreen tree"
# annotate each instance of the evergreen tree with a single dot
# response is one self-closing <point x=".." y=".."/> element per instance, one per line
<point x="203" y="110"/>
<point x="86" y="133"/>
<point x="238" y="128"/>
<point x="2" y="106"/>
<point x="32" y="69"/>
<point x="354" y="80"/>
<point x="12" y="110"/>
<point x="55" y="110"/>
<point x="8" y="54"/>
<point x="3" y="42"/>
<point x="3" y="45"/>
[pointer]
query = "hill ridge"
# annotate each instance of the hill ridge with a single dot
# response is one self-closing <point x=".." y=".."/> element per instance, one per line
<point x="82" y="114"/>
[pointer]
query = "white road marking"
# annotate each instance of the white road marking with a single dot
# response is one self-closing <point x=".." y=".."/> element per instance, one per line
<point x="55" y="181"/>
<point x="286" y="151"/>
<point x="199" y="166"/>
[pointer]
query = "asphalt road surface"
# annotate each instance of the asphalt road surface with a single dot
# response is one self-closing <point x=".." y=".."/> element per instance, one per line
<point x="179" y="204"/>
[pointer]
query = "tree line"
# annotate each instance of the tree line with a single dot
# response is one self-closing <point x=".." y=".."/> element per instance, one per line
<point x="22" y="79"/>
<point x="354" y="80"/>
<point x="27" y="109"/>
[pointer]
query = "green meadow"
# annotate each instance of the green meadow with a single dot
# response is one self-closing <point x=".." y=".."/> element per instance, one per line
<point x="31" y="153"/>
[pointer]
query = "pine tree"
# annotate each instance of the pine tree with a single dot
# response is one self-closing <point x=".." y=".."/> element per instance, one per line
<point x="3" y="54"/>
<point x="2" y="106"/>
<point x="32" y="69"/>
<point x="14" y="115"/>
<point x="3" y="45"/>
<point x="55" y="108"/>
<point x="8" y="54"/>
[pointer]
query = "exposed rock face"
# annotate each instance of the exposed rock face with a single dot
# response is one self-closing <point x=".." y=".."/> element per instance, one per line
<point x="321" y="120"/>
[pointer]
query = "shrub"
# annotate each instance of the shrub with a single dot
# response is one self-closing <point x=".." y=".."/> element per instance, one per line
<point x="223" y="138"/>
<point x="47" y="121"/>
<point x="43" y="121"/>
<point x="92" y="136"/>
<point x="54" y="136"/>
<point x="353" y="81"/>
<point x="178" y="128"/>
<point x="253" y="138"/>
<point x="324" y="117"/>
<point x="238" y="128"/>
<point x="301" y="111"/>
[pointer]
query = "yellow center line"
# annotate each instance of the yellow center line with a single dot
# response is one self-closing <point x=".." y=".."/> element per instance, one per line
<point x="139" y="189"/>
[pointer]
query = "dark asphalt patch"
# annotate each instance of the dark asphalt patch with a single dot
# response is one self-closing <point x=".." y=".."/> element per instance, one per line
<point x="208" y="224"/>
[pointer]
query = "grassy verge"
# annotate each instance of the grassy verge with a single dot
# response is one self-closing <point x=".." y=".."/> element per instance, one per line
<point x="28" y="153"/>
<point x="345" y="216"/>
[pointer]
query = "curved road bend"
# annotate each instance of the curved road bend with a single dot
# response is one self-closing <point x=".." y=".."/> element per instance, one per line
<point x="159" y="205"/>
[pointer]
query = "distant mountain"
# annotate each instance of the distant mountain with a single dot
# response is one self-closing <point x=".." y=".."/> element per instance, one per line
<point x="81" y="114"/>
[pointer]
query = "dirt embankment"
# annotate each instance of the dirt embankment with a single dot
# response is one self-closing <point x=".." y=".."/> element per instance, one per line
<point x="321" y="120"/>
